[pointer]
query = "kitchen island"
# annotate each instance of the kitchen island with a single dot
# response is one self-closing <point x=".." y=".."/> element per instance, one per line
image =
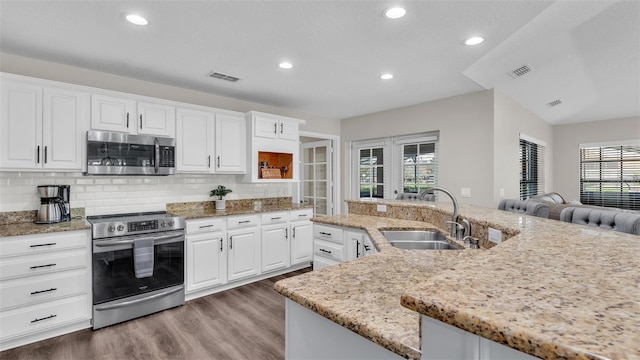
<point x="553" y="290"/>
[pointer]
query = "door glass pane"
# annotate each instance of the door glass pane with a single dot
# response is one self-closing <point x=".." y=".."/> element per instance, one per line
<point x="321" y="206"/>
<point x="365" y="190"/>
<point x="321" y="172"/>
<point x="308" y="188"/>
<point x="307" y="156"/>
<point x="321" y="189"/>
<point x="321" y="154"/>
<point x="379" y="176"/>
<point x="377" y="156"/>
<point x="378" y="191"/>
<point x="308" y="172"/>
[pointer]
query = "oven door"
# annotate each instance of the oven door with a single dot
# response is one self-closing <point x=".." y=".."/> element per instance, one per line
<point x="113" y="266"/>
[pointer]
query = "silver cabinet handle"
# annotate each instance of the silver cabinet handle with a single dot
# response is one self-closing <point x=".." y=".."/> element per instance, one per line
<point x="218" y="161"/>
<point x="38" y="154"/>
<point x="45" y="154"/>
<point x="220" y="244"/>
<point x="43" y="291"/>
<point x="140" y="121"/>
<point x="286" y="233"/>
<point x="231" y="242"/>
<point x="41" y="266"/>
<point x="127" y="120"/>
<point x="206" y="226"/>
<point x="293" y="232"/>
<point x="44" y="318"/>
<point x="209" y="161"/>
<point x="275" y="128"/>
<point x="38" y="245"/>
<point x="281" y="128"/>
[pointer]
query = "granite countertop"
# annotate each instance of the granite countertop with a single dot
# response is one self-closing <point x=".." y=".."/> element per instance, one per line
<point x="364" y="295"/>
<point x="33" y="228"/>
<point x="554" y="290"/>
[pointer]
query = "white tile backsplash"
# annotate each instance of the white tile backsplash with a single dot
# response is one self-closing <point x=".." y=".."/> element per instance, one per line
<point x="110" y="194"/>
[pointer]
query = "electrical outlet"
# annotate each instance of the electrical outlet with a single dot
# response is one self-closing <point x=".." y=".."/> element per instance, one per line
<point x="501" y="192"/>
<point x="381" y="208"/>
<point x="495" y="236"/>
<point x="465" y="192"/>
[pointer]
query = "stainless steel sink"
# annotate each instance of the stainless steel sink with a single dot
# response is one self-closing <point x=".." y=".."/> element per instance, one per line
<point x="418" y="240"/>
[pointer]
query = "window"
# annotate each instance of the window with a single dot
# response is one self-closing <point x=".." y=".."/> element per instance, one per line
<point x="531" y="167"/>
<point x="410" y="165"/>
<point x="610" y="175"/>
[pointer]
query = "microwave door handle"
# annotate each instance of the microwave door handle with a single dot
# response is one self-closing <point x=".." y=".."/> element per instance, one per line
<point x="157" y="154"/>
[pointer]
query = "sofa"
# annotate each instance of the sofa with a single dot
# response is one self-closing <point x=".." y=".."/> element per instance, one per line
<point x="526" y="207"/>
<point x="628" y="222"/>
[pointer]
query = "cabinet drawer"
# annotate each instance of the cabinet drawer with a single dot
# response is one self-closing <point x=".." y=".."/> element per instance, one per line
<point x="299" y="215"/>
<point x="36" y="244"/>
<point x="205" y="225"/>
<point x="275" y="218"/>
<point x="41" y="288"/>
<point x="235" y="222"/>
<point x="328" y="250"/>
<point x="41" y="317"/>
<point x="43" y="263"/>
<point x="328" y="233"/>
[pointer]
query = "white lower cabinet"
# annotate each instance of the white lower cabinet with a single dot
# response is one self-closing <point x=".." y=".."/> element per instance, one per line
<point x="444" y="341"/>
<point x="334" y="244"/>
<point x="45" y="286"/>
<point x="206" y="264"/>
<point x="301" y="236"/>
<point x="244" y="253"/>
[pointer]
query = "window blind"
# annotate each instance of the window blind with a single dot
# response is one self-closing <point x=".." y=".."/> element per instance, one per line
<point x="610" y="176"/>
<point x="531" y="169"/>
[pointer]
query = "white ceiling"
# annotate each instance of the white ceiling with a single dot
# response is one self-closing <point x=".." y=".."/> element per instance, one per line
<point x="585" y="53"/>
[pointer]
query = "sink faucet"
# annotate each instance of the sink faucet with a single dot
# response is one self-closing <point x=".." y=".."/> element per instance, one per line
<point x="455" y="226"/>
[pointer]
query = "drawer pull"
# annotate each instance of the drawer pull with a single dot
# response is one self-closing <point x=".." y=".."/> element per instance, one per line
<point x="43" y="291"/>
<point x="37" y="245"/>
<point x="325" y="234"/>
<point x="41" y="266"/>
<point x="276" y="218"/>
<point x="206" y="226"/>
<point x="303" y="215"/>
<point x="244" y="221"/>
<point x="44" y="318"/>
<point x="325" y="251"/>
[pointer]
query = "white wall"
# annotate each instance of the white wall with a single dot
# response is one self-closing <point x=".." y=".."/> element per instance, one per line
<point x="567" y="140"/>
<point x="465" y="123"/>
<point x="510" y="120"/>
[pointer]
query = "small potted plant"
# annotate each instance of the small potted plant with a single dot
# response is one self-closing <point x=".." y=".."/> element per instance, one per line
<point x="221" y="191"/>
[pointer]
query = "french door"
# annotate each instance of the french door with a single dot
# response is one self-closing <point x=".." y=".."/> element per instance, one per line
<point x="317" y="176"/>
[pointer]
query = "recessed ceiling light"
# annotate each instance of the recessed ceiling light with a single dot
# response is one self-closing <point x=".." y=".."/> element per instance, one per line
<point x="474" y="40"/>
<point x="395" y="12"/>
<point x="285" y="65"/>
<point x="386" y="76"/>
<point x="136" y="19"/>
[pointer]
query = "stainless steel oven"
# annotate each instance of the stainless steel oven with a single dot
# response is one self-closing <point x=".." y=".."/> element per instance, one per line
<point x="115" y="153"/>
<point x="138" y="265"/>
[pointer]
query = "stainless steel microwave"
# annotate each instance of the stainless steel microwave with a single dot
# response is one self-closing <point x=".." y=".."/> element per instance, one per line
<point x="115" y="153"/>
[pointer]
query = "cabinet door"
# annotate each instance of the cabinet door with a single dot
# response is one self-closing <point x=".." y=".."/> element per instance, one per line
<point x="354" y="243"/>
<point x="288" y="130"/>
<point x="194" y="133"/>
<point x="230" y="144"/>
<point x="21" y="126"/>
<point x="156" y="119"/>
<point x="275" y="247"/>
<point x="64" y="118"/>
<point x="206" y="260"/>
<point x="244" y="254"/>
<point x="368" y="247"/>
<point x="265" y="127"/>
<point x="113" y="114"/>
<point x="301" y="242"/>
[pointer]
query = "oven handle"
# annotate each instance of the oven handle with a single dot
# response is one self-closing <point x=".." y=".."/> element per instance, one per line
<point x="137" y="301"/>
<point x="156" y="239"/>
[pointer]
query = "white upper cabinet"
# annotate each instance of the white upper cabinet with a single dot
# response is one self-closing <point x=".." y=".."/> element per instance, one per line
<point x="209" y="142"/>
<point x="276" y="128"/>
<point x="194" y="138"/>
<point x="230" y="143"/>
<point x="127" y="115"/>
<point x="42" y="127"/>
<point x="156" y="119"/>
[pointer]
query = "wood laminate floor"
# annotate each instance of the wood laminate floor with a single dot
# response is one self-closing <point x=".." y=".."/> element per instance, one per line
<point x="242" y="323"/>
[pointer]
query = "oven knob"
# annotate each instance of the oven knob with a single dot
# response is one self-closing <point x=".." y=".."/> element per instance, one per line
<point x="120" y="227"/>
<point x="171" y="222"/>
<point x="111" y="228"/>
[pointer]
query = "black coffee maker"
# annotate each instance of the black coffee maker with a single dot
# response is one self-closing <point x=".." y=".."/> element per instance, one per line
<point x="54" y="204"/>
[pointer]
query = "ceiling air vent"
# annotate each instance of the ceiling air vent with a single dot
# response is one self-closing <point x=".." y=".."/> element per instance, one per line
<point x="521" y="71"/>
<point x="554" y="103"/>
<point x="217" y="75"/>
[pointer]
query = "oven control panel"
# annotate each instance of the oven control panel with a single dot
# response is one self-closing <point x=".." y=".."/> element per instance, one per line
<point x="146" y="225"/>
